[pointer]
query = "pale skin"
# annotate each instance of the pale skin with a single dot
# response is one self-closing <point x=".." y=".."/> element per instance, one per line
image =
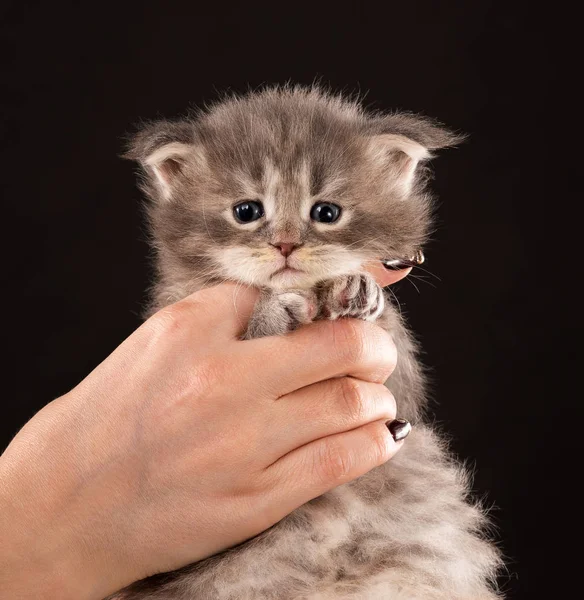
<point x="174" y="448"/>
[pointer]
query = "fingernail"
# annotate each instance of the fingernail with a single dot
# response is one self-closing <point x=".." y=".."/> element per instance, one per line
<point x="399" y="429"/>
<point x="398" y="264"/>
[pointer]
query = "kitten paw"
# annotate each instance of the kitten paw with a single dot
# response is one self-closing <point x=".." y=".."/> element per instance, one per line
<point x="278" y="313"/>
<point x="301" y="307"/>
<point x="356" y="296"/>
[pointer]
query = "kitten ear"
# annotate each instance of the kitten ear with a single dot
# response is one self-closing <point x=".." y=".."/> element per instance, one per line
<point x="398" y="156"/>
<point x="165" y="150"/>
<point x="403" y="140"/>
<point x="167" y="163"/>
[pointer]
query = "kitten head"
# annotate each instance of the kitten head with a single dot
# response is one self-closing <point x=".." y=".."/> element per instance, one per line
<point x="284" y="188"/>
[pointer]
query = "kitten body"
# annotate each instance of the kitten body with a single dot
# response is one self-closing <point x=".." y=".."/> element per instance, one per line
<point x="407" y="529"/>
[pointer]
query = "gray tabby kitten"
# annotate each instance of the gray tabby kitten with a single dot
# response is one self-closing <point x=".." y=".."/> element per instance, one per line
<point x="292" y="190"/>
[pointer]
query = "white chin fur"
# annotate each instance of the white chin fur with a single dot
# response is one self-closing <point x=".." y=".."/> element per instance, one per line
<point x="259" y="268"/>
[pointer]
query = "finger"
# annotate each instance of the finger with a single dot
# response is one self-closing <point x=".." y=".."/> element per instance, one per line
<point x="224" y="309"/>
<point x="325" y="408"/>
<point x="383" y="276"/>
<point x="319" y="351"/>
<point x="324" y="464"/>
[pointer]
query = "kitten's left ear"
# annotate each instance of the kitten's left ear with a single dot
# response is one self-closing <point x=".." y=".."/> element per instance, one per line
<point x="399" y="142"/>
<point x="398" y="156"/>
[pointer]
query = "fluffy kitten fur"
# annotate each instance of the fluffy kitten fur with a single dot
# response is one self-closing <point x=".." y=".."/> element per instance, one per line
<point x="407" y="529"/>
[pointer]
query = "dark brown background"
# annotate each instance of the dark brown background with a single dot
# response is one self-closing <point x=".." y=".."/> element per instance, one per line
<point x="74" y="80"/>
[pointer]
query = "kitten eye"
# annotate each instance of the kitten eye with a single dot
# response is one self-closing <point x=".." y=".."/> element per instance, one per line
<point x="246" y="212"/>
<point x="325" y="212"/>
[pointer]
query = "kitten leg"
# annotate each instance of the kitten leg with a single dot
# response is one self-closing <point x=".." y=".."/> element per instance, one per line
<point x="277" y="313"/>
<point x="356" y="296"/>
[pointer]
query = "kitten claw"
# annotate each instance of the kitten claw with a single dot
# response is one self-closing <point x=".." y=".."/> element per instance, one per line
<point x="356" y="296"/>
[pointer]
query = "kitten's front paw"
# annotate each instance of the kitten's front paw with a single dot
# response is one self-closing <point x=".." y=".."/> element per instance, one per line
<point x="301" y="307"/>
<point x="356" y="296"/>
<point x="278" y="313"/>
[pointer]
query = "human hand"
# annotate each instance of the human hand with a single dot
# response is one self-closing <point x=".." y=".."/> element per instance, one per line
<point x="185" y="441"/>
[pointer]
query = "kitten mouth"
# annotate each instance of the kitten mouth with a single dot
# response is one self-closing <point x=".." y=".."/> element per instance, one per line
<point x="286" y="269"/>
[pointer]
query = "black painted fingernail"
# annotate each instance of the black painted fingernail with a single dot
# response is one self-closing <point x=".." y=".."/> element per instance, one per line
<point x="398" y="264"/>
<point x="399" y="429"/>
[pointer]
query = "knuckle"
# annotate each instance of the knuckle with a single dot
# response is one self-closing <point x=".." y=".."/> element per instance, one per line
<point x="361" y="343"/>
<point x="173" y="319"/>
<point x="353" y="398"/>
<point x="336" y="461"/>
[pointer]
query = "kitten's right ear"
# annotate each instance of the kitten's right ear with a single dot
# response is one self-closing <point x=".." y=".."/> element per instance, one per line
<point x="165" y="149"/>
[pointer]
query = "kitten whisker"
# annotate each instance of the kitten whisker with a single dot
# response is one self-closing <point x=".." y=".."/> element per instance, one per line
<point x="363" y="241"/>
<point x="423" y="279"/>
<point x="429" y="272"/>
<point x="396" y="299"/>
<point x="415" y="286"/>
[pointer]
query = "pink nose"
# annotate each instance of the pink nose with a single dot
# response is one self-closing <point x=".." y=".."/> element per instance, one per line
<point x="286" y="249"/>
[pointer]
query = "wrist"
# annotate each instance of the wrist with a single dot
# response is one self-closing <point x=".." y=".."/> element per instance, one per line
<point x="47" y="549"/>
<point x="31" y="564"/>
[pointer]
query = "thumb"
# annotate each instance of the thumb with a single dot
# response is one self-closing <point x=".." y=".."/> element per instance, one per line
<point x="224" y="308"/>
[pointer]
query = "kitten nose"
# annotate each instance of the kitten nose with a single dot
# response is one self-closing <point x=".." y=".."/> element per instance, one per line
<point x="285" y="248"/>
